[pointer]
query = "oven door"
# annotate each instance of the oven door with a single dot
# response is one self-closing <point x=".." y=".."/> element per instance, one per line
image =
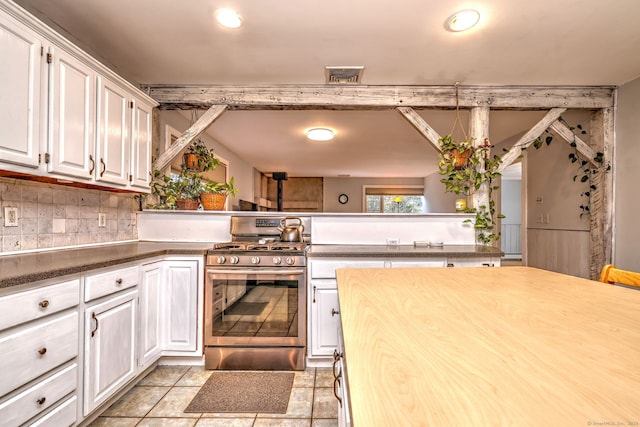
<point x="255" y="307"/>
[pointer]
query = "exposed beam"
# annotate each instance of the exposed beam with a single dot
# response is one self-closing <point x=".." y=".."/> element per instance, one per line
<point x="421" y="126"/>
<point x="527" y="139"/>
<point x="190" y="134"/>
<point x="380" y="97"/>
<point x="567" y="134"/>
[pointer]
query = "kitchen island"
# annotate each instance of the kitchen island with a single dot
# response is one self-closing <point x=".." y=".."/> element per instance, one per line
<point x="488" y="347"/>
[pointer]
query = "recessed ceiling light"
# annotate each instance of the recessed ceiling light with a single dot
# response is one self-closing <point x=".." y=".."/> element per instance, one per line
<point x="228" y="18"/>
<point x="463" y="20"/>
<point x="320" y="134"/>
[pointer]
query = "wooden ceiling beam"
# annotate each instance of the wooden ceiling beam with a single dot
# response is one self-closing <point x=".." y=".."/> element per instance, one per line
<point x="189" y="135"/>
<point x="380" y="97"/>
<point x="421" y="126"/>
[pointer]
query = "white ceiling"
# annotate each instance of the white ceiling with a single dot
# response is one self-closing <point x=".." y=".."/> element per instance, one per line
<point x="543" y="42"/>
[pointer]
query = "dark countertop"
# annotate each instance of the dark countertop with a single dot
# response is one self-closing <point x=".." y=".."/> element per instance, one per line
<point x="26" y="268"/>
<point x="409" y="251"/>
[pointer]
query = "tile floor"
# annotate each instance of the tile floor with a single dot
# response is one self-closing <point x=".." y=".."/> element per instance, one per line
<point x="160" y="397"/>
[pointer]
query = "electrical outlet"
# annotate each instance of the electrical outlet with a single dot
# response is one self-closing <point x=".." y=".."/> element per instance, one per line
<point x="393" y="241"/>
<point x="539" y="200"/>
<point x="102" y="220"/>
<point x="10" y="216"/>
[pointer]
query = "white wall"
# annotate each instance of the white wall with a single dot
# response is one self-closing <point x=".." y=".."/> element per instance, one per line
<point x="437" y="199"/>
<point x="352" y="187"/>
<point x="558" y="236"/>
<point x="238" y="168"/>
<point x="627" y="178"/>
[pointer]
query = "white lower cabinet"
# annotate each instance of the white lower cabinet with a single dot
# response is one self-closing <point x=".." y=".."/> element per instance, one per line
<point x="181" y="303"/>
<point x="110" y="347"/>
<point x="150" y="327"/>
<point x="340" y="385"/>
<point x="39" y="342"/>
<point x="325" y="316"/>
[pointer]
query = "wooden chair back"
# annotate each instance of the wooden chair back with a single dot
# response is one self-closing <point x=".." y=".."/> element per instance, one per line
<point x="610" y="274"/>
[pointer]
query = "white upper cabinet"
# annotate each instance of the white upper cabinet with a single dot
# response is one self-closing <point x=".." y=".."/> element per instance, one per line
<point x="65" y="115"/>
<point x="20" y="82"/>
<point x="141" y="145"/>
<point x="113" y="149"/>
<point x="72" y="90"/>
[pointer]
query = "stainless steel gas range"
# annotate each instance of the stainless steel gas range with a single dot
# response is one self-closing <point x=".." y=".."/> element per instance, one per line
<point x="255" y="298"/>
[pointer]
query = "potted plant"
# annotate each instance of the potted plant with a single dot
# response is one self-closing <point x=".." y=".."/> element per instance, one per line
<point x="199" y="157"/>
<point x="177" y="192"/>
<point x="214" y="194"/>
<point x="456" y="153"/>
<point x="466" y="177"/>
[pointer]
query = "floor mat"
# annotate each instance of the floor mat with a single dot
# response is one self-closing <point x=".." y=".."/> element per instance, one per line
<point x="244" y="391"/>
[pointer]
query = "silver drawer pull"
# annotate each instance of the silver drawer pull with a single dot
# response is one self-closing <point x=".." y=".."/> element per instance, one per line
<point x="119" y="282"/>
<point x="41" y="400"/>
<point x="334" y="312"/>
<point x="44" y="304"/>
<point x="42" y="351"/>
<point x="336" y="384"/>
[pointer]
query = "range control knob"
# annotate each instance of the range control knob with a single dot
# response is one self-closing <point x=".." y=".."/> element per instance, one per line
<point x="234" y="260"/>
<point x="221" y="259"/>
<point x="255" y="260"/>
<point x="277" y="260"/>
<point x="290" y="260"/>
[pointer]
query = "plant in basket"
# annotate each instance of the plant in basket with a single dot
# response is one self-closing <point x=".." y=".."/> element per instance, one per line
<point x="177" y="192"/>
<point x="214" y="194"/>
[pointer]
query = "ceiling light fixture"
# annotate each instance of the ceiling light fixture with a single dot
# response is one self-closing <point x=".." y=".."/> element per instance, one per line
<point x="462" y="20"/>
<point x="228" y="18"/>
<point x="320" y="134"/>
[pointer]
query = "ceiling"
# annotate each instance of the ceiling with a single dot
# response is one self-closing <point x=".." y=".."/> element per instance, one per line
<point x="548" y="43"/>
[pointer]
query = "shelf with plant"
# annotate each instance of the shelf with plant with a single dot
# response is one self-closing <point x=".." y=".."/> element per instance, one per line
<point x="465" y="177"/>
<point x="186" y="189"/>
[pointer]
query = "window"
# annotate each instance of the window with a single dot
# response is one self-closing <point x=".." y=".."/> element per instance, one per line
<point x="409" y="199"/>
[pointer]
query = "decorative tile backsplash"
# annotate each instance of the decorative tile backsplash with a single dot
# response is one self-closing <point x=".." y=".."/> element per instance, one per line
<point x="51" y="216"/>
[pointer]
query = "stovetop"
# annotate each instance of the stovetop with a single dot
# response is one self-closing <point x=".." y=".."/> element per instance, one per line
<point x="258" y="254"/>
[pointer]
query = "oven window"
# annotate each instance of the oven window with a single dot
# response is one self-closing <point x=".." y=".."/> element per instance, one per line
<point x="255" y="307"/>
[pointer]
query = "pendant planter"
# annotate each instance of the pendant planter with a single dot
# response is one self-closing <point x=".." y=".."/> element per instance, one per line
<point x="187" y="204"/>
<point x="213" y="201"/>
<point x="461" y="158"/>
<point x="192" y="161"/>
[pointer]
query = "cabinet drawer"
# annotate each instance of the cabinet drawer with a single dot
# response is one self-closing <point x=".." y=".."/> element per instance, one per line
<point x="62" y="415"/>
<point x="101" y="284"/>
<point x="29" y="305"/>
<point x="56" y="338"/>
<point x="40" y="397"/>
<point x="327" y="269"/>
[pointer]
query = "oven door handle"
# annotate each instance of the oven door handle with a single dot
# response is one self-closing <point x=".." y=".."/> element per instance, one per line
<point x="282" y="272"/>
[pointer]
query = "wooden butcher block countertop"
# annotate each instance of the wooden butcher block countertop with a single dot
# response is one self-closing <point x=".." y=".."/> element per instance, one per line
<point x="510" y="346"/>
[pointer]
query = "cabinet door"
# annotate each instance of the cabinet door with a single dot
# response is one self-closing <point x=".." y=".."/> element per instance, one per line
<point x="110" y="348"/>
<point x="72" y="100"/>
<point x="114" y="144"/>
<point x="325" y="319"/>
<point x="20" y="89"/>
<point x="180" y="305"/>
<point x="141" y="145"/>
<point x="149" y="338"/>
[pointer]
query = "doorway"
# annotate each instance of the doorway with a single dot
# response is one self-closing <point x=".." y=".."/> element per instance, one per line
<point x="511" y="205"/>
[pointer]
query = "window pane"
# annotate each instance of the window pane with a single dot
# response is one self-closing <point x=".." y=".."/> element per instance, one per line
<point x="395" y="204"/>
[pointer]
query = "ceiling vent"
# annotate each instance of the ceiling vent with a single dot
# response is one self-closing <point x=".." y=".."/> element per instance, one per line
<point x="351" y="75"/>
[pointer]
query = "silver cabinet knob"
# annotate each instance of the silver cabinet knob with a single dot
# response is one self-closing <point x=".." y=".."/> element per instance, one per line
<point x="234" y="260"/>
<point x="255" y="260"/>
<point x="221" y="259"/>
<point x="277" y="260"/>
